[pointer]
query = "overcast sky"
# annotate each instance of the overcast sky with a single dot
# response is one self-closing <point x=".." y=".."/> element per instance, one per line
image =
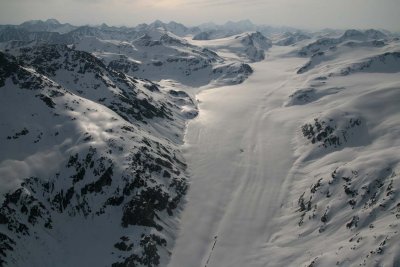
<point x="298" y="13"/>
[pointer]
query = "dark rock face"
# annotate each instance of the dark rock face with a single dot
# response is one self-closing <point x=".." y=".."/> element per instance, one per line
<point x="149" y="257"/>
<point x="369" y="37"/>
<point x="326" y="132"/>
<point x="6" y="244"/>
<point x="124" y="65"/>
<point x="368" y="193"/>
<point x="233" y="73"/>
<point x="7" y="67"/>
<point x="302" y="96"/>
<point x="384" y="63"/>
<point x="202" y="36"/>
<point x="290" y="38"/>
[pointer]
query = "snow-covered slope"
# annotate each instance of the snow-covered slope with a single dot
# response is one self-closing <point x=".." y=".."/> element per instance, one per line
<point x="370" y="37"/>
<point x="161" y="55"/>
<point x="248" y="46"/>
<point x="90" y="162"/>
<point x="290" y="38"/>
<point x="355" y="56"/>
<point x="291" y="161"/>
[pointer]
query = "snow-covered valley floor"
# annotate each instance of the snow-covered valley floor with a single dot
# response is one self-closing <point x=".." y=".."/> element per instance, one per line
<point x="238" y="150"/>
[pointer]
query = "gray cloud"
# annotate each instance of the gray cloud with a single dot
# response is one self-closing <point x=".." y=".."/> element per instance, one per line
<point x="226" y="2"/>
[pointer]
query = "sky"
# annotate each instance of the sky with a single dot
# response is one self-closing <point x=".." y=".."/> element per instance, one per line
<point x="305" y="14"/>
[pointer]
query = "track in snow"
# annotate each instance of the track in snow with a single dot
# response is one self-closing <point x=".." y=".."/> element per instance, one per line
<point x="239" y="155"/>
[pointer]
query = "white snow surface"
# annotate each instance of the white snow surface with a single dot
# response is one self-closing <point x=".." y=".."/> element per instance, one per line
<point x="250" y="165"/>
